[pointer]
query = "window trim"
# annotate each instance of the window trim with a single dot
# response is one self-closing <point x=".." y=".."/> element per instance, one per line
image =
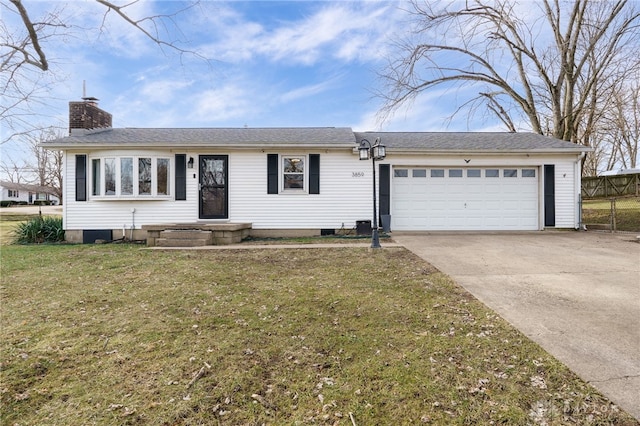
<point x="305" y="174"/>
<point x="135" y="195"/>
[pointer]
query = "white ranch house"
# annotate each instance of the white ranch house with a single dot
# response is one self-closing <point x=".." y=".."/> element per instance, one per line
<point x="22" y="193"/>
<point x="308" y="181"/>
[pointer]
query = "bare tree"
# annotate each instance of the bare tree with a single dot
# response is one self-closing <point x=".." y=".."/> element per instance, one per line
<point x="26" y="70"/>
<point x="11" y="171"/>
<point x="545" y="64"/>
<point x="625" y="124"/>
<point x="46" y="165"/>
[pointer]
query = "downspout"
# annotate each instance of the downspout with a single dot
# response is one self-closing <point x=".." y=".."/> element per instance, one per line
<point x="133" y="222"/>
<point x="578" y="193"/>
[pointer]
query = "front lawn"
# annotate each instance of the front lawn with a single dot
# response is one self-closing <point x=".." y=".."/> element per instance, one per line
<point x="8" y="224"/>
<point x="116" y="334"/>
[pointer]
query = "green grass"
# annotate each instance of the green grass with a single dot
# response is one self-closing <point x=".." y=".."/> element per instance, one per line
<point x="116" y="334"/>
<point x="8" y="224"/>
<point x="599" y="212"/>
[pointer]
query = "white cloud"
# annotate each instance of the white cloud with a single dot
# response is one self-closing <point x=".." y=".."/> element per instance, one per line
<point x="307" y="91"/>
<point x="226" y="103"/>
<point x="345" y="31"/>
<point x="162" y="92"/>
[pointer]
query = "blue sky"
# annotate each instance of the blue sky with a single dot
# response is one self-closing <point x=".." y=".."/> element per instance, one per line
<point x="297" y="63"/>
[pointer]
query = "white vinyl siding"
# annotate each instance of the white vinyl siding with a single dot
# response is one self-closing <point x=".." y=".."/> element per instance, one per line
<point x="565" y="191"/>
<point x="567" y="183"/>
<point x="345" y="189"/>
<point x="115" y="213"/>
<point x="345" y="196"/>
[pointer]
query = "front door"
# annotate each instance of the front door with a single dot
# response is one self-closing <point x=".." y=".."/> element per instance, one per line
<point x="213" y="187"/>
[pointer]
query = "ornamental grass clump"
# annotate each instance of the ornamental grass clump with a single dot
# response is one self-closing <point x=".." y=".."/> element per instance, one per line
<point x="40" y="229"/>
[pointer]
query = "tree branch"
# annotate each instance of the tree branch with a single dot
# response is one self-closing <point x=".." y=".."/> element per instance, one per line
<point x="33" y="36"/>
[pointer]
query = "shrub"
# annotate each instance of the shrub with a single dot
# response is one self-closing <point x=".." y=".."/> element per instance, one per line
<point x="6" y="203"/>
<point x="40" y="229"/>
<point x="42" y="203"/>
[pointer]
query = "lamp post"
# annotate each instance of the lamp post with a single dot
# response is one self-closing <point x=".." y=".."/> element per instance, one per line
<point x="377" y="151"/>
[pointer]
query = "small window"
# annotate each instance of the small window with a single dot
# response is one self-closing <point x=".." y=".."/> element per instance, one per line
<point x="293" y="172"/>
<point x="126" y="176"/>
<point x="437" y="173"/>
<point x="144" y="176"/>
<point x="510" y="173"/>
<point x="473" y="173"/>
<point x="400" y="173"/>
<point x="109" y="176"/>
<point x="528" y="173"/>
<point x="419" y="173"/>
<point x="492" y="173"/>
<point x="95" y="177"/>
<point x="162" y="186"/>
<point x="13" y="193"/>
<point x="455" y="173"/>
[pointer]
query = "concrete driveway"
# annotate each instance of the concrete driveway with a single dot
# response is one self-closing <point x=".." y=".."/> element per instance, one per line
<point x="577" y="294"/>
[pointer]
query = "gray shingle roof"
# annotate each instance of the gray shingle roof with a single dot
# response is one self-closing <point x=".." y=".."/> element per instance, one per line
<point x="240" y="137"/>
<point x="316" y="137"/>
<point x="467" y="141"/>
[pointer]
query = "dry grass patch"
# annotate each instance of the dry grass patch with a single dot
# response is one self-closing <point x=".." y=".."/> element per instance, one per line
<point x="121" y="335"/>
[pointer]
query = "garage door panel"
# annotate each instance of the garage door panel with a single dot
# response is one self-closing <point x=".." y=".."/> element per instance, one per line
<point x="465" y="203"/>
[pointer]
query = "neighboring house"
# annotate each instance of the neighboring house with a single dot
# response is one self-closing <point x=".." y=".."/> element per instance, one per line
<point x="20" y="193"/>
<point x="311" y="181"/>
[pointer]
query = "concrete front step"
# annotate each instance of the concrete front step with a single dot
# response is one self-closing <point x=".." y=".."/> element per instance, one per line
<point x="177" y="242"/>
<point x="180" y="235"/>
<point x="185" y="234"/>
<point x="184" y="238"/>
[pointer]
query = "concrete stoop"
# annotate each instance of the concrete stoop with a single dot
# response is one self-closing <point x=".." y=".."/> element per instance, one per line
<point x="184" y="238"/>
<point x="196" y="235"/>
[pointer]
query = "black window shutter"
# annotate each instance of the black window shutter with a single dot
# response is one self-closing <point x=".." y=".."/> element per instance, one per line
<point x="549" y="195"/>
<point x="385" y="189"/>
<point x="272" y="173"/>
<point x="81" y="177"/>
<point x="181" y="177"/>
<point x="314" y="173"/>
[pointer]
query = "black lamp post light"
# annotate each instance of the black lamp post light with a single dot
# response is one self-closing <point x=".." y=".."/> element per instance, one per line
<point x="377" y="151"/>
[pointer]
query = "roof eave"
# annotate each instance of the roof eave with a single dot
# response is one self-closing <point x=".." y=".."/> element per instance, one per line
<point x="391" y="150"/>
<point x="155" y="145"/>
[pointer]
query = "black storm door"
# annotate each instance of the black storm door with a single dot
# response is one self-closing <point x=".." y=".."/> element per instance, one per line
<point x="214" y="200"/>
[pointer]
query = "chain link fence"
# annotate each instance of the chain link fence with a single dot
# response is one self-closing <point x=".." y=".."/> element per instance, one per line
<point x="612" y="214"/>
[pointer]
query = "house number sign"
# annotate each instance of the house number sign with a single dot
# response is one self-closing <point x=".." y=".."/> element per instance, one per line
<point x="357" y="174"/>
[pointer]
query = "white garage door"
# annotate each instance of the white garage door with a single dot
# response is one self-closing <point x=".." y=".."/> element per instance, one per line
<point x="464" y="199"/>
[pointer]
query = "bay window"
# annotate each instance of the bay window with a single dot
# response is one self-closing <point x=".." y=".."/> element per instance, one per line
<point x="130" y="177"/>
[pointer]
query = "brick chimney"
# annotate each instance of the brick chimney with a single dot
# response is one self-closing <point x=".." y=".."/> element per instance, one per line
<point x="86" y="115"/>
